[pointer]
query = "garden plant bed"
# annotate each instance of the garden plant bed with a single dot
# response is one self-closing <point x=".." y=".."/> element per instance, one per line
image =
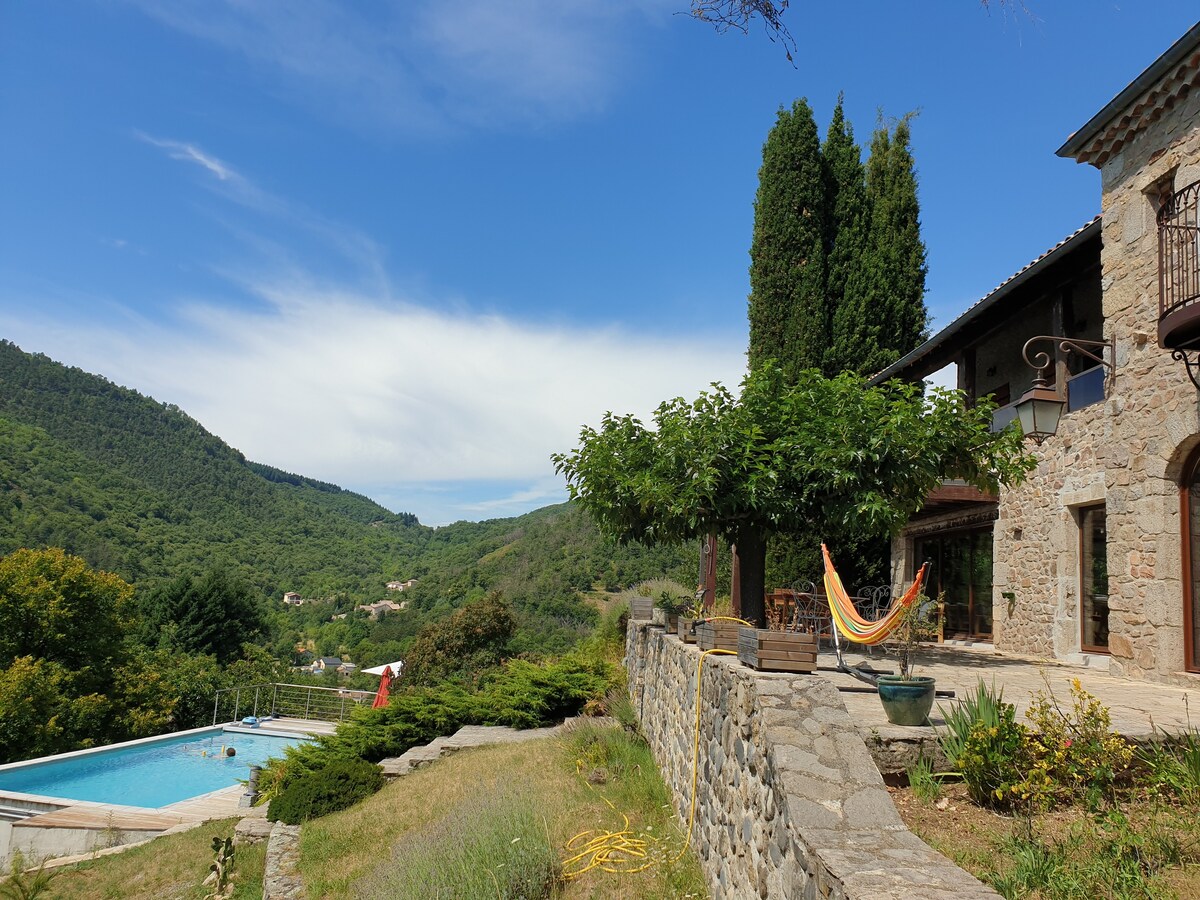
<point x="1146" y="846"/>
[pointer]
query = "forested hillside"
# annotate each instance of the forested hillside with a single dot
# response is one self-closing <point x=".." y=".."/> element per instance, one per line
<point x="141" y="489"/>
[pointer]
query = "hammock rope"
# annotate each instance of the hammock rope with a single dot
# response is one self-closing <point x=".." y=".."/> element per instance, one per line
<point x="846" y="616"/>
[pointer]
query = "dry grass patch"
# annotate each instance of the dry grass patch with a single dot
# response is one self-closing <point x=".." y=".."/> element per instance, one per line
<point x="463" y="812"/>
<point x="168" y="868"/>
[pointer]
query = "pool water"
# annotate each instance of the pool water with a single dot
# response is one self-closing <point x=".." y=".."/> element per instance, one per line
<point x="151" y="774"/>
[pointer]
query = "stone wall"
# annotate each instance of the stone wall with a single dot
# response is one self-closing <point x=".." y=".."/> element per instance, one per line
<point x="789" y="802"/>
<point x="1127" y="453"/>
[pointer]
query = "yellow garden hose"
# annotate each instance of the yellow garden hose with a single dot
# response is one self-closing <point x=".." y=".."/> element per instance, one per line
<point x="696" y="749"/>
<point x="621" y="851"/>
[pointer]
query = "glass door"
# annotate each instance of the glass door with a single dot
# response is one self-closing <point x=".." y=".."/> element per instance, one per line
<point x="961" y="569"/>
<point x="1093" y="578"/>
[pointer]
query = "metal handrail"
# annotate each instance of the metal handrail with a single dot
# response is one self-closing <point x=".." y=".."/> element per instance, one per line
<point x="299" y="701"/>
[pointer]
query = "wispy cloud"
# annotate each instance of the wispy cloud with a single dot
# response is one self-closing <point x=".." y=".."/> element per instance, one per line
<point x="368" y="393"/>
<point x="428" y="65"/>
<point x="284" y="215"/>
<point x="191" y="153"/>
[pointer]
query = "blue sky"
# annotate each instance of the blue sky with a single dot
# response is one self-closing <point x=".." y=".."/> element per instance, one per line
<point x="410" y="247"/>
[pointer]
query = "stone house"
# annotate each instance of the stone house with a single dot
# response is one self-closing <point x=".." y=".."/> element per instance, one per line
<point x="376" y="610"/>
<point x="1096" y="558"/>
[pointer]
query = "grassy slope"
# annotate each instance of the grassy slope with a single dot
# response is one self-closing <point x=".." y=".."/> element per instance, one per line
<point x="348" y="854"/>
<point x="169" y="868"/>
<point x="350" y="851"/>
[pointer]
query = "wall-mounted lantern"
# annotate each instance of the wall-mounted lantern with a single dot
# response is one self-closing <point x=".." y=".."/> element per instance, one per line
<point x="1040" y="407"/>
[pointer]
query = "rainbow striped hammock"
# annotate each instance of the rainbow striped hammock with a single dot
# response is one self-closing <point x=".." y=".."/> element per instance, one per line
<point x="853" y="626"/>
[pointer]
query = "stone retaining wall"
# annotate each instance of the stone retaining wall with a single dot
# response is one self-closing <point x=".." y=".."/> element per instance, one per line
<point x="789" y="802"/>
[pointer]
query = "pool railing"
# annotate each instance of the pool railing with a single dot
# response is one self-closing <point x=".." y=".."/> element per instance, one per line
<point x="295" y="701"/>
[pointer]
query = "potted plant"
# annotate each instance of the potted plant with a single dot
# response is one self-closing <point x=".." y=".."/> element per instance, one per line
<point x="907" y="697"/>
<point x="668" y="608"/>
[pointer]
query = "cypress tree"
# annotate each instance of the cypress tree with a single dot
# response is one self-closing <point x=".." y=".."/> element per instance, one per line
<point x="850" y="327"/>
<point x="895" y="270"/>
<point x="787" y="304"/>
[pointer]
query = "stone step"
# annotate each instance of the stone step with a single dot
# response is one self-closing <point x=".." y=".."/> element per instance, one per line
<point x="466" y="737"/>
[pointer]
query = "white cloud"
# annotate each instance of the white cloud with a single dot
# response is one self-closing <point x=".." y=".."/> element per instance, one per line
<point x="350" y="243"/>
<point x="359" y="391"/>
<point x="191" y="153"/>
<point x="421" y="65"/>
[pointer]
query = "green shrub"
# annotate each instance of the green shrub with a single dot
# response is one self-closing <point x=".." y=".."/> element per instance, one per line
<point x="519" y="694"/>
<point x="1075" y="752"/>
<point x="339" y="784"/>
<point x="982" y="706"/>
<point x="994" y="760"/>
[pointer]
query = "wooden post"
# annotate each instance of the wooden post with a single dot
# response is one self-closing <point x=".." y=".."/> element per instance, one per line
<point x="735" y="582"/>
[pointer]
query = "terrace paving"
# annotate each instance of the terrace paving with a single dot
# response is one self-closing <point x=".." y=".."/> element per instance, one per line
<point x="1138" y="708"/>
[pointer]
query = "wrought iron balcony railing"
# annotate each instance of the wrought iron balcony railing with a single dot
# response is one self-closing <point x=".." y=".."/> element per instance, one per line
<point x="1179" y="270"/>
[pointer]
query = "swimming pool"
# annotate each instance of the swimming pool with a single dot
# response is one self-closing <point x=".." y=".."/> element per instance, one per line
<point x="150" y="773"/>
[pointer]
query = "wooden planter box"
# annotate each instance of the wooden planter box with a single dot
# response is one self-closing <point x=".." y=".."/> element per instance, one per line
<point x="777" y="651"/>
<point x="669" y="621"/>
<point x="717" y="635"/>
<point x="687" y="630"/>
<point x="641" y="608"/>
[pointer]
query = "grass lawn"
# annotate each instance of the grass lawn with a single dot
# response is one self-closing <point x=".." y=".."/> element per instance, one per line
<point x="484" y="820"/>
<point x="1148" y="848"/>
<point x="169" y="868"/>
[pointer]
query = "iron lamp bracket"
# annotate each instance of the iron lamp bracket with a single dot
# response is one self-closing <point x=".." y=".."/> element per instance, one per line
<point x="1093" y="350"/>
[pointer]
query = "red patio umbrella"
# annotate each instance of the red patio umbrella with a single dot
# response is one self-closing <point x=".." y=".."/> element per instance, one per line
<point x="385" y="685"/>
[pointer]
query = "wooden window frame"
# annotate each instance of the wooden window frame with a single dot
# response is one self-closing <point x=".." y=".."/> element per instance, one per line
<point x="1079" y="513"/>
<point x="1190" y="663"/>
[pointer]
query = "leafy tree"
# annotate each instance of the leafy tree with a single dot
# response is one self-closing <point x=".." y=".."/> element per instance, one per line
<point x="472" y="639"/>
<point x="788" y="308"/>
<point x="30" y="703"/>
<point x="54" y="607"/>
<point x="215" y="614"/>
<point x="811" y="454"/>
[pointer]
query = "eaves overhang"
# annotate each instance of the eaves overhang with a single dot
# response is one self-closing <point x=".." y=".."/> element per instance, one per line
<point x="910" y="363"/>
<point x="1164" y="83"/>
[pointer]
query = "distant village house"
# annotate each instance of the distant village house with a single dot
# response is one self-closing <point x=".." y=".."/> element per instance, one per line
<point x="375" y="610"/>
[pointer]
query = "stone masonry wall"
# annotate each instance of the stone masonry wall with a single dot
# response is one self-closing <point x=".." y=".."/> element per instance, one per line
<point x="789" y="802"/>
<point x="1126" y="452"/>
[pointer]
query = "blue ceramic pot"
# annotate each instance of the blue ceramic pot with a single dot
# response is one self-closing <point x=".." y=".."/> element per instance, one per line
<point x="906" y="701"/>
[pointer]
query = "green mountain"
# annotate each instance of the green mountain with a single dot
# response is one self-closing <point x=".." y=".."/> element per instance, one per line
<point x="139" y="488"/>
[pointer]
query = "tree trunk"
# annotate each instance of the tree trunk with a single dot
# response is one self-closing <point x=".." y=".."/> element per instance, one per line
<point x="752" y="559"/>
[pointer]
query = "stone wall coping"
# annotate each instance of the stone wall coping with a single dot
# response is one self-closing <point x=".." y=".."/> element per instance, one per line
<point x="790" y="797"/>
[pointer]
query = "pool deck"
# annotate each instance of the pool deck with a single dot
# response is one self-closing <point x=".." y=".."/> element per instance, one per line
<point x="220" y="804"/>
<point x="285" y="726"/>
